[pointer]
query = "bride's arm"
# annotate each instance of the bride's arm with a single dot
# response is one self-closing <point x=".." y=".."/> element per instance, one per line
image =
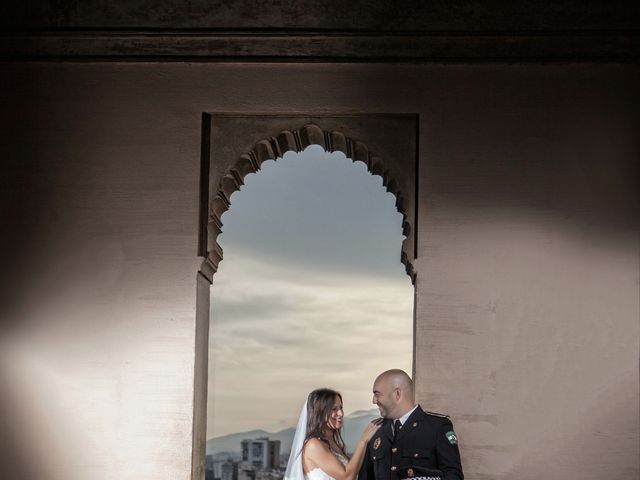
<point x="317" y="455"/>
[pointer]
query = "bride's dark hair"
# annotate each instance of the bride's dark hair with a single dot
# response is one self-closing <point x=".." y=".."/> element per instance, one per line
<point x="319" y="406"/>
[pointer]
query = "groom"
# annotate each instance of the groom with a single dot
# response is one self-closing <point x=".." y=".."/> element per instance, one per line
<point x="411" y="442"/>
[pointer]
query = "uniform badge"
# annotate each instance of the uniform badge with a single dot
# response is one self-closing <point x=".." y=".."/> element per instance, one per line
<point x="451" y="436"/>
<point x="376" y="443"/>
<point x="410" y="472"/>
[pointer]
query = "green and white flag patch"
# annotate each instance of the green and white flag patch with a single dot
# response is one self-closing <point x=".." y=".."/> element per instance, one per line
<point x="451" y="436"/>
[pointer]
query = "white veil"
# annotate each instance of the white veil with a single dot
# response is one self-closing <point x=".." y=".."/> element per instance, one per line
<point x="294" y="466"/>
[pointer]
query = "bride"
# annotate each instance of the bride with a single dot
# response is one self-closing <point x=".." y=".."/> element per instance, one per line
<point x="317" y="452"/>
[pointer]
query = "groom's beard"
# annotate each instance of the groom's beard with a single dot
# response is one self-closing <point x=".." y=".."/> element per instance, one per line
<point x="384" y="412"/>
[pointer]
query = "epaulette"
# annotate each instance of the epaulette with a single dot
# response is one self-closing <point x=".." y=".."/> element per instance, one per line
<point x="436" y="414"/>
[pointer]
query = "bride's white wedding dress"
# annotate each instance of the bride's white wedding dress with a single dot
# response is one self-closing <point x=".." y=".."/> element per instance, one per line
<point x="319" y="474"/>
<point x="294" y="469"/>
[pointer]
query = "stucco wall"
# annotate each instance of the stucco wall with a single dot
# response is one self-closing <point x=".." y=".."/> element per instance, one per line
<point x="527" y="292"/>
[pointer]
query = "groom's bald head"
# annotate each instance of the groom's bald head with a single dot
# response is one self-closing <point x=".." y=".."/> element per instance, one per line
<point x="398" y="379"/>
<point x="393" y="393"/>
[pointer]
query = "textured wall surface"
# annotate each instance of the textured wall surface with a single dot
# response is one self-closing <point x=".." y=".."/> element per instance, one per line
<point x="323" y="30"/>
<point x="408" y="15"/>
<point x="527" y="290"/>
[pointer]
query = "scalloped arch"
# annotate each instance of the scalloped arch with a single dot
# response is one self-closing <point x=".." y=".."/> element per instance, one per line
<point x="275" y="147"/>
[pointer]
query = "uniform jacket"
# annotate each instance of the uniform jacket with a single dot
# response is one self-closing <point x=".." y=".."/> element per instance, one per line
<point x="425" y="440"/>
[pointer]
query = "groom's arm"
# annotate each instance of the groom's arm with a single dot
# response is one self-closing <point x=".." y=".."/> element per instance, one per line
<point x="448" y="452"/>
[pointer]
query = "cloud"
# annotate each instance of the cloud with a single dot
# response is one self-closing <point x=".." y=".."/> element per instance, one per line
<point x="274" y="341"/>
<point x="316" y="210"/>
<point x="289" y="313"/>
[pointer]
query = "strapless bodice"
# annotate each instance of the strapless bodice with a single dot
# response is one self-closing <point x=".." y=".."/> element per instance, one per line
<point x="319" y="474"/>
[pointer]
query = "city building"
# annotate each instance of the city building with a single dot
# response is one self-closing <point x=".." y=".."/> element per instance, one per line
<point x="261" y="453"/>
<point x="229" y="470"/>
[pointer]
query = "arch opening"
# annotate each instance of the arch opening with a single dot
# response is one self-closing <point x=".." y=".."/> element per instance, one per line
<point x="396" y="140"/>
<point x="310" y="285"/>
<point x="296" y="141"/>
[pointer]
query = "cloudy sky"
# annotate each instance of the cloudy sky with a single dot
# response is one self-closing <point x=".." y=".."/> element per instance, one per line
<point x="311" y="292"/>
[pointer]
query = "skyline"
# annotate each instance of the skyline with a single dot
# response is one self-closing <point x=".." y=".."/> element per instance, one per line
<point x="311" y="280"/>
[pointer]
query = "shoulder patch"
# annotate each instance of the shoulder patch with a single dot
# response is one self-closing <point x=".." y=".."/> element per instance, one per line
<point x="442" y="415"/>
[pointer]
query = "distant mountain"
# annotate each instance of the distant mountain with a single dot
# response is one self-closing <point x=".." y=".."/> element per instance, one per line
<point x="231" y="442"/>
<point x="354" y="424"/>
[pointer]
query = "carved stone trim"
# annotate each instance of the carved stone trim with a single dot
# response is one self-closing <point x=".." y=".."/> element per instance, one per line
<point x="274" y="147"/>
<point x="618" y="46"/>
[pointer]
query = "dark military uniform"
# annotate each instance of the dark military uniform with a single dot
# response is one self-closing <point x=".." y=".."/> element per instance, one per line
<point x="426" y="440"/>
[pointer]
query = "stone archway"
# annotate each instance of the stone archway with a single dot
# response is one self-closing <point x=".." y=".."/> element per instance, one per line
<point x="235" y="145"/>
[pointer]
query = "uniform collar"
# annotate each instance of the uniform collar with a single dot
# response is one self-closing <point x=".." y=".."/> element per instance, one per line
<point x="406" y="416"/>
<point x="413" y="414"/>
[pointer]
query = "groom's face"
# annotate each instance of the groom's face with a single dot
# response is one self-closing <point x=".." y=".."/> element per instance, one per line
<point x="384" y="398"/>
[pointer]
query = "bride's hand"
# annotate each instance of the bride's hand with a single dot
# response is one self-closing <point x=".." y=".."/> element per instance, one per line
<point x="371" y="428"/>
